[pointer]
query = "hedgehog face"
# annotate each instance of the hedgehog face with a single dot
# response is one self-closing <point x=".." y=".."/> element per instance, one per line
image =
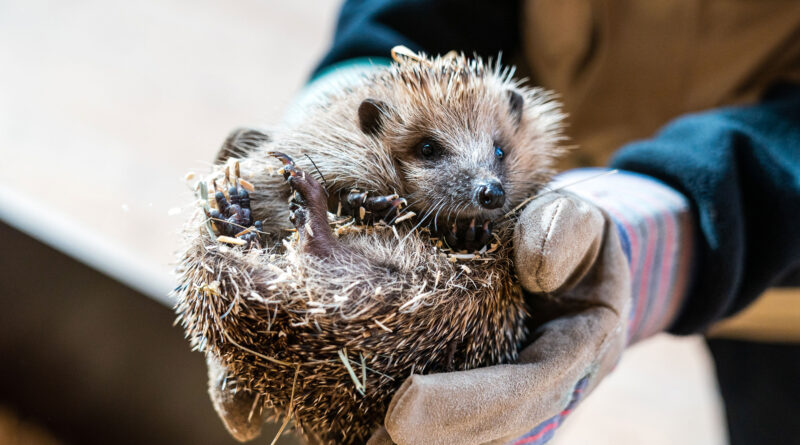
<point x="463" y="174"/>
<point x="458" y="138"/>
<point x="459" y="176"/>
<point x="457" y="159"/>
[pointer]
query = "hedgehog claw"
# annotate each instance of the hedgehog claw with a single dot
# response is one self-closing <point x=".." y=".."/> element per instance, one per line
<point x="467" y="235"/>
<point x="368" y="209"/>
<point x="308" y="209"/>
<point x="289" y="168"/>
<point x="234" y="216"/>
<point x="378" y="203"/>
<point x="283" y="157"/>
<point x="394" y="211"/>
<point x="486" y="233"/>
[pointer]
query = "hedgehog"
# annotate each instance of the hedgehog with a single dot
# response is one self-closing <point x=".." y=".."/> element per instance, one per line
<point x="331" y="258"/>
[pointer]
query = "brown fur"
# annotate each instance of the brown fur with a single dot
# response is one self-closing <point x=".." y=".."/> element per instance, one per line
<point x="394" y="304"/>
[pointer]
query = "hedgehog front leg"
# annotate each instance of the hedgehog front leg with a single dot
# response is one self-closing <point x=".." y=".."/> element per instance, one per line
<point x="368" y="209"/>
<point x="308" y="210"/>
<point x="467" y="234"/>
<point x="234" y="218"/>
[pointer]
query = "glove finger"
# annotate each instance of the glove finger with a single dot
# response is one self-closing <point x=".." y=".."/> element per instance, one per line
<point x="608" y="282"/>
<point x="556" y="242"/>
<point x="236" y="408"/>
<point x="380" y="437"/>
<point x="486" y="404"/>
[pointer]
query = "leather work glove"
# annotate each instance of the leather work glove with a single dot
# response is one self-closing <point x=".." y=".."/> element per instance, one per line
<point x="234" y="406"/>
<point x="601" y="275"/>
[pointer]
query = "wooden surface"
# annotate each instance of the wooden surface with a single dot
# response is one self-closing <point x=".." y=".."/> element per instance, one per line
<point x="774" y="317"/>
<point x="18" y="431"/>
<point x="106" y="105"/>
<point x="94" y="361"/>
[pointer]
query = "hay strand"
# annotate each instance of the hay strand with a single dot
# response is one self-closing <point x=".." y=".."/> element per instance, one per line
<point x="343" y="357"/>
<point x="290" y="410"/>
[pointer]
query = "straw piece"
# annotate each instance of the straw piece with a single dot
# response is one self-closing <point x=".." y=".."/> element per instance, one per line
<point x="363" y="371"/>
<point x="247" y="185"/>
<point x="204" y="196"/>
<point x="400" y="53"/>
<point x="290" y="410"/>
<point x="382" y="326"/>
<point x="343" y="357"/>
<point x="405" y="217"/>
<point x="229" y="240"/>
<point x="245" y="231"/>
<point x="462" y="256"/>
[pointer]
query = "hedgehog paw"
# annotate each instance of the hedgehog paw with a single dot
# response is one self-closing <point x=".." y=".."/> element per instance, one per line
<point x="233" y="216"/>
<point x="308" y="209"/>
<point x="468" y="234"/>
<point x="369" y="209"/>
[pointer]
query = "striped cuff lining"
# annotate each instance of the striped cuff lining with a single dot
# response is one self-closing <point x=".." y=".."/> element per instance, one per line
<point x="545" y="431"/>
<point x="655" y="227"/>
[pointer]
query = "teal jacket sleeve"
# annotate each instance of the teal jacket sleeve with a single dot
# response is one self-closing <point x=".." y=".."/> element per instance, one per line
<point x="370" y="28"/>
<point x="739" y="167"/>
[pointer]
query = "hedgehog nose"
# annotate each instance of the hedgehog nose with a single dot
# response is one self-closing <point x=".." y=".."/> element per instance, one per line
<point x="491" y="195"/>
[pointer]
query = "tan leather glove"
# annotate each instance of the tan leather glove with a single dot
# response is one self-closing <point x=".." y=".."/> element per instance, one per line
<point x="567" y="253"/>
<point x="234" y="406"/>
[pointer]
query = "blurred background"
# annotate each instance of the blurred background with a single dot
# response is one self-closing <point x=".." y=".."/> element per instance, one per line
<point x="105" y="106"/>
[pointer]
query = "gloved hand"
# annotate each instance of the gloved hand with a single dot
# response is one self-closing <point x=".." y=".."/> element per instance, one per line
<point x="233" y="405"/>
<point x="567" y="251"/>
<point x="570" y="257"/>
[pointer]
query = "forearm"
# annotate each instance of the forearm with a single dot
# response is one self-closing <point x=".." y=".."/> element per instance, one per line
<point x="367" y="29"/>
<point x="655" y="228"/>
<point x="739" y="168"/>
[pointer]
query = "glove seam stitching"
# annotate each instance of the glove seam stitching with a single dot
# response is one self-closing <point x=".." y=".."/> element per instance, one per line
<point x="548" y="232"/>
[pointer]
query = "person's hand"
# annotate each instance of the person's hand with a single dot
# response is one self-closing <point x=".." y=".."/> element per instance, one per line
<point x="233" y="405"/>
<point x="568" y="255"/>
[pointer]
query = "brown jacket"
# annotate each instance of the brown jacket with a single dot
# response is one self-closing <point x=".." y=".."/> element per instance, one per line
<point x="626" y="67"/>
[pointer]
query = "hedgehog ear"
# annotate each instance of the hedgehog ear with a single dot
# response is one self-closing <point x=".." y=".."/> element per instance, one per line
<point x="371" y="113"/>
<point x="516" y="104"/>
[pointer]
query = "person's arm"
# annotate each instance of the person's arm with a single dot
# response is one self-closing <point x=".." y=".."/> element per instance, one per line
<point x="371" y="28"/>
<point x="739" y="168"/>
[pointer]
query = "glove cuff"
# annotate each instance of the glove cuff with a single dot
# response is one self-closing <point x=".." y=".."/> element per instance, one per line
<point x="545" y="431"/>
<point x="655" y="226"/>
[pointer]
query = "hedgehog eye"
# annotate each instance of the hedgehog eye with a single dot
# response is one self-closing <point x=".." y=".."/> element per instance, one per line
<point x="428" y="149"/>
<point x="499" y="152"/>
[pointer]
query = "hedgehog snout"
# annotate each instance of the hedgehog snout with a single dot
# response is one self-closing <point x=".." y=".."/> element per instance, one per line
<point x="490" y="194"/>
